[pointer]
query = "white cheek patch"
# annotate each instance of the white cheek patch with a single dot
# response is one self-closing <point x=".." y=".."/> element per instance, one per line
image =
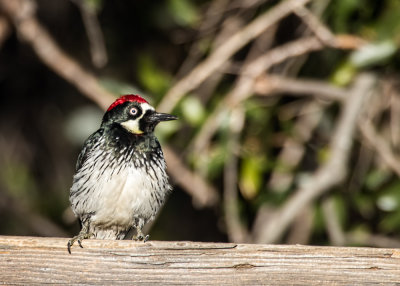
<point x="133" y="124"/>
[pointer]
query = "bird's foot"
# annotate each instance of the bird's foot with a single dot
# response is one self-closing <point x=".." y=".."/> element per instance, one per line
<point x="81" y="236"/>
<point x="140" y="236"/>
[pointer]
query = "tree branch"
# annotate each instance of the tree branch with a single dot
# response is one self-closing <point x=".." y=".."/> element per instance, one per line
<point x="97" y="46"/>
<point x="268" y="84"/>
<point x="380" y="145"/>
<point x="21" y="13"/>
<point x="202" y="192"/>
<point x="245" y="84"/>
<point x="329" y="174"/>
<point x="316" y="26"/>
<point x="4" y="29"/>
<point x="221" y="54"/>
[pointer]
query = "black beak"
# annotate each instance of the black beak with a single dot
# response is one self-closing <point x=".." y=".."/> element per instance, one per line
<point x="152" y="118"/>
<point x="158" y="117"/>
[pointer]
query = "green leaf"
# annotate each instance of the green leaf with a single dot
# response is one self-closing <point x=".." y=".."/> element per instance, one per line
<point x="251" y="176"/>
<point x="389" y="199"/>
<point x="374" y="53"/>
<point x="344" y="73"/>
<point x="151" y="76"/>
<point x="376" y="178"/>
<point x="365" y="204"/>
<point x="391" y="222"/>
<point x="183" y="12"/>
<point x="192" y="110"/>
<point x="340" y="208"/>
<point x="387" y="26"/>
<point x="387" y="203"/>
<point x="342" y="12"/>
<point x="95" y="5"/>
<point x="319" y="222"/>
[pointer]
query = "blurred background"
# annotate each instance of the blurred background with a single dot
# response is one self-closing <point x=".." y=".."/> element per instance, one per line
<point x="289" y="111"/>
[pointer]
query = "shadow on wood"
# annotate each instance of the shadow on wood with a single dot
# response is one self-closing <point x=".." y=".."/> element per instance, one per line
<point x="34" y="260"/>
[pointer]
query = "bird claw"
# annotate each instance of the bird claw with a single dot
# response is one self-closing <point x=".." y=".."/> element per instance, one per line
<point x="141" y="237"/>
<point x="78" y="238"/>
<point x="80" y="243"/>
<point x="69" y="246"/>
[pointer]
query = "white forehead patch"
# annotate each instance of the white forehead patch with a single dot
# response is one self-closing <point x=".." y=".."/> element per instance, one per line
<point x="133" y="124"/>
<point x="145" y="106"/>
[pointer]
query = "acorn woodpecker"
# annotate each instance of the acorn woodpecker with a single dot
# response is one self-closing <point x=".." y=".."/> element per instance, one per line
<point x="120" y="181"/>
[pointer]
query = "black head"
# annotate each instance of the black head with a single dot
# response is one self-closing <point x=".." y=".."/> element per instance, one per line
<point x="134" y="114"/>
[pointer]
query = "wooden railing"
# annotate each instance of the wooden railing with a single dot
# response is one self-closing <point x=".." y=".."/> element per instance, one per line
<point x="34" y="260"/>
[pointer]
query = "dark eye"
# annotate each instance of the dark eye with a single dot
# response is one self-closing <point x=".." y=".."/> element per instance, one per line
<point x="133" y="111"/>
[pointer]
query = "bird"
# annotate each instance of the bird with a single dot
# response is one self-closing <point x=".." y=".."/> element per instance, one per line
<point x="120" y="182"/>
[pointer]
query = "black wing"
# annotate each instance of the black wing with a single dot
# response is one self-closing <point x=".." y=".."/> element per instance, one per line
<point x="88" y="146"/>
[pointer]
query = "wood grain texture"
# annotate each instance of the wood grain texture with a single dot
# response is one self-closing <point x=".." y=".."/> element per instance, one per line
<point x="33" y="260"/>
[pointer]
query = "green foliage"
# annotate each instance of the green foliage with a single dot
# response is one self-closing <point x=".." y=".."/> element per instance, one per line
<point x="387" y="26"/>
<point x="389" y="202"/>
<point x="184" y="12"/>
<point x="372" y="54"/>
<point x="151" y="76"/>
<point x="251" y="176"/>
<point x="17" y="178"/>
<point x="377" y="178"/>
<point x="95" y="5"/>
<point x="344" y="73"/>
<point x="192" y="110"/>
<point x="343" y="10"/>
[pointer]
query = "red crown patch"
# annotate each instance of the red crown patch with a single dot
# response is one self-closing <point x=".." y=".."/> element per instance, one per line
<point x="125" y="98"/>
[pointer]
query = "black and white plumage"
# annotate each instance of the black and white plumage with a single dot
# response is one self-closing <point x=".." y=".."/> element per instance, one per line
<point x="120" y="181"/>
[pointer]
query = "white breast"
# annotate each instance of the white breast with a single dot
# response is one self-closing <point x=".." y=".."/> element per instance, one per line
<point x="116" y="195"/>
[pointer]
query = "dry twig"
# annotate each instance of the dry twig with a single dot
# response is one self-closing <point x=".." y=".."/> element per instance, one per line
<point x="267" y="84"/>
<point x="336" y="235"/>
<point x="380" y="145"/>
<point x="316" y="26"/>
<point x="302" y="227"/>
<point x="95" y="35"/>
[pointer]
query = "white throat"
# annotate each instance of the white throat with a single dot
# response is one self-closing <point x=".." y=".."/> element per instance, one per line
<point x="132" y="126"/>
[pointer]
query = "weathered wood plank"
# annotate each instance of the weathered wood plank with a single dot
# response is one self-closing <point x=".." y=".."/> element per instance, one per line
<point x="33" y="260"/>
